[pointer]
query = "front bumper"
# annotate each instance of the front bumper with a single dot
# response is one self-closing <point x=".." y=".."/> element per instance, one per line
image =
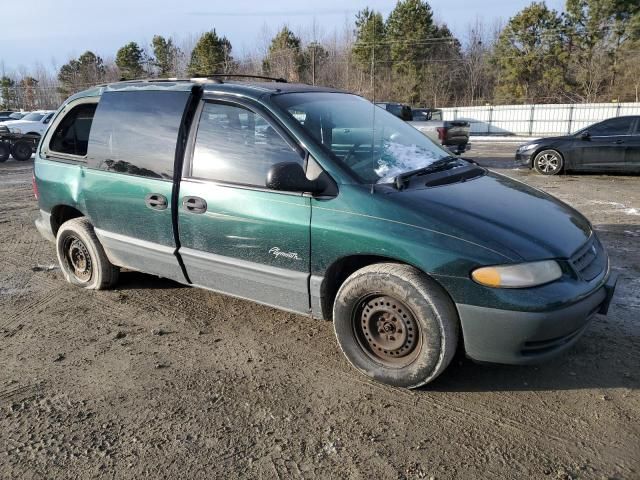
<point x="524" y="158"/>
<point x="520" y="338"/>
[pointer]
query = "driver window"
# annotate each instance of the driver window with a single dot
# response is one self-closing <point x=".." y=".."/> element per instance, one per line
<point x="236" y="145"/>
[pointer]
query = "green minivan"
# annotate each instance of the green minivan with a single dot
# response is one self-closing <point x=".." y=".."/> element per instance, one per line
<point x="315" y="201"/>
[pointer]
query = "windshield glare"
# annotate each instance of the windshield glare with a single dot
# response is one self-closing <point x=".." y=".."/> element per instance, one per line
<point x="33" y="117"/>
<point x="372" y="143"/>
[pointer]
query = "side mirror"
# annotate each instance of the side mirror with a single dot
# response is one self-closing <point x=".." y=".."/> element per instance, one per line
<point x="585" y="135"/>
<point x="290" y="177"/>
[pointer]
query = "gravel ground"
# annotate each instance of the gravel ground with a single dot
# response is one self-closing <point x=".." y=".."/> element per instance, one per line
<point x="156" y="380"/>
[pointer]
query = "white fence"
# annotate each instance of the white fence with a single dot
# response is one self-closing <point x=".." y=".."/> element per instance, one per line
<point x="556" y="119"/>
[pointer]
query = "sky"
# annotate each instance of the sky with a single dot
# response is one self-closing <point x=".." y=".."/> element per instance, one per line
<point x="53" y="31"/>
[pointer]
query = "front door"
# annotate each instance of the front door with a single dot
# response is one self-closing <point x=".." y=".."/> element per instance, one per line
<point x="236" y="236"/>
<point x="605" y="147"/>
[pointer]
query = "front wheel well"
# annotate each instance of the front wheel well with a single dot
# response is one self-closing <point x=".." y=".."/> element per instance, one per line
<point x="339" y="271"/>
<point x="61" y="214"/>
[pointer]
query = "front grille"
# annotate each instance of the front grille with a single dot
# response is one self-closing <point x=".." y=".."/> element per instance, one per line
<point x="588" y="260"/>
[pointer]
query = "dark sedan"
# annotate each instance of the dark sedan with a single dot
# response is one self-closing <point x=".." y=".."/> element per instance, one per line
<point x="612" y="145"/>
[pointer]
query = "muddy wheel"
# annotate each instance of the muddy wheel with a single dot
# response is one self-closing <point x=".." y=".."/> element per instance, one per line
<point x="82" y="259"/>
<point x="4" y="152"/>
<point x="548" y="162"/>
<point x="395" y="324"/>
<point x="22" y="150"/>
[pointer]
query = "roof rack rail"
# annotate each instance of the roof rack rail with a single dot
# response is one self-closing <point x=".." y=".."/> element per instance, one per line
<point x="241" y="75"/>
<point x="143" y="80"/>
<point x="216" y="77"/>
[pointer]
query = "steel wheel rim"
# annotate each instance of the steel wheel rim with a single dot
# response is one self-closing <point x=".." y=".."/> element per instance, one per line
<point x="387" y="331"/>
<point x="78" y="258"/>
<point x="548" y="162"/>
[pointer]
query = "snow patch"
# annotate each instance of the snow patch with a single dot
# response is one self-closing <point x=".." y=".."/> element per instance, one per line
<point x="397" y="158"/>
<point x="618" y="207"/>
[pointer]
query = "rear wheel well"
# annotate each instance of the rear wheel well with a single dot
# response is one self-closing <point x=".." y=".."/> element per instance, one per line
<point x="338" y="272"/>
<point x="61" y="214"/>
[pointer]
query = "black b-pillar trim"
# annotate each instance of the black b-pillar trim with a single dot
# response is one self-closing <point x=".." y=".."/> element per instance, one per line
<point x="181" y="148"/>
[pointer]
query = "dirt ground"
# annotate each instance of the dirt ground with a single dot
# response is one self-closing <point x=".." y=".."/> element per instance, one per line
<point x="156" y="380"/>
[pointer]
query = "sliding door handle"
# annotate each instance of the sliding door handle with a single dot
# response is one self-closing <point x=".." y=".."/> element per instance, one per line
<point x="194" y="204"/>
<point x="156" y="201"/>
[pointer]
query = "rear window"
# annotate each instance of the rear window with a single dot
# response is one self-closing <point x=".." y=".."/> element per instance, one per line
<point x="72" y="133"/>
<point x="136" y="132"/>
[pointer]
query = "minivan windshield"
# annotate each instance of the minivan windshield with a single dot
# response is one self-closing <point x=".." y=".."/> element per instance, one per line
<point x="372" y="143"/>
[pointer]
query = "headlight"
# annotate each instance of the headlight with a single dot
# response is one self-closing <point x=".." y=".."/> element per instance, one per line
<point x="530" y="146"/>
<point x="522" y="275"/>
<point x="15" y="130"/>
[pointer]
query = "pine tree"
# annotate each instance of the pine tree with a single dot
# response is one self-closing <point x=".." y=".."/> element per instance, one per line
<point x="8" y="93"/>
<point x="130" y="60"/>
<point x="165" y="56"/>
<point x="531" y="57"/>
<point x="79" y="74"/>
<point x="212" y="54"/>
<point x="285" y="58"/>
<point x="370" y="45"/>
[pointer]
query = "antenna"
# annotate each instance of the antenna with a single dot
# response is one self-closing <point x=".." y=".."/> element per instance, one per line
<point x="373" y="95"/>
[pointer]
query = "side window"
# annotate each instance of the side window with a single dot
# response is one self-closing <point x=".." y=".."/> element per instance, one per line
<point x="48" y="118"/>
<point x="71" y="136"/>
<point x="236" y="145"/>
<point x="615" y="126"/>
<point x="136" y="132"/>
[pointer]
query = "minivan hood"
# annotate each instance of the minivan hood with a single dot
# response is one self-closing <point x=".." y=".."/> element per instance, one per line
<point x="502" y="214"/>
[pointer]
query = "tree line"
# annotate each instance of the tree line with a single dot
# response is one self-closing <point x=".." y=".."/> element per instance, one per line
<point x="590" y="52"/>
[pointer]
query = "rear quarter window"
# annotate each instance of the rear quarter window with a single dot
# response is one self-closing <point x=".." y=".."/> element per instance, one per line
<point x="71" y="135"/>
<point x="136" y="132"/>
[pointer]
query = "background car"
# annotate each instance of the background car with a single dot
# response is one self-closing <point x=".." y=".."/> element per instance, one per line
<point x="34" y="123"/>
<point x="612" y="145"/>
<point x="11" y="116"/>
<point x="5" y="115"/>
<point x="452" y="134"/>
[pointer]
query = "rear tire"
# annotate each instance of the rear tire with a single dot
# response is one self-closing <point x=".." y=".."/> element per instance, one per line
<point x="548" y="162"/>
<point x="395" y="324"/>
<point x="81" y="257"/>
<point x="22" y="150"/>
<point x="4" y="152"/>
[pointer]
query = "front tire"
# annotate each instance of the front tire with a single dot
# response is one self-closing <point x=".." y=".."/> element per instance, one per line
<point x="395" y="324"/>
<point x="548" y="162"/>
<point x="81" y="257"/>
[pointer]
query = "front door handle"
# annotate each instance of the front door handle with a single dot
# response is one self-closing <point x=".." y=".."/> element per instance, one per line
<point x="194" y="204"/>
<point x="156" y="201"/>
<point x="618" y="141"/>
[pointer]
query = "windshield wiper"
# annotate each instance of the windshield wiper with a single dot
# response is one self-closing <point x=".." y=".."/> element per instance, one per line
<point x="439" y="165"/>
